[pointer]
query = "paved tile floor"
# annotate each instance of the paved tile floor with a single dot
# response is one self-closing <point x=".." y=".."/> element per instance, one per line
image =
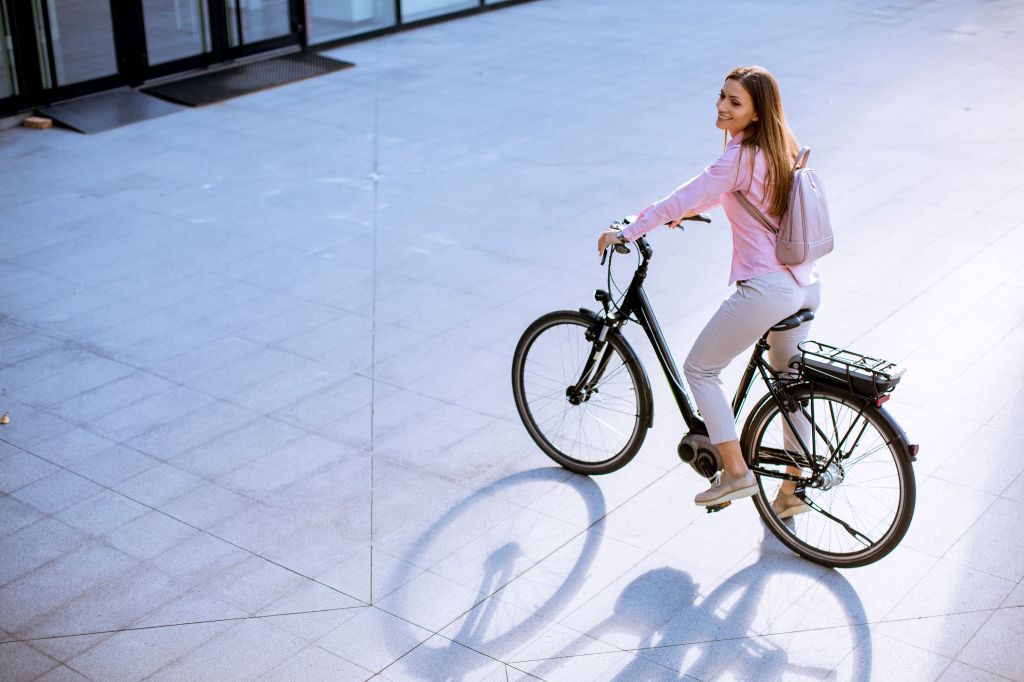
<point x="256" y="359"/>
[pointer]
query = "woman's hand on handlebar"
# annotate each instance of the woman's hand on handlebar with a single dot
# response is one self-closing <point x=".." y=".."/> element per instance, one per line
<point x="609" y="237"/>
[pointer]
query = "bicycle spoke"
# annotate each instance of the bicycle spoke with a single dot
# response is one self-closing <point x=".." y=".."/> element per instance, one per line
<point x="602" y="407"/>
<point x="855" y="495"/>
<point x="603" y="423"/>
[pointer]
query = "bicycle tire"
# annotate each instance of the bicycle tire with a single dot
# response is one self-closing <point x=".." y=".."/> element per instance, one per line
<point x="870" y="491"/>
<point x="588" y="444"/>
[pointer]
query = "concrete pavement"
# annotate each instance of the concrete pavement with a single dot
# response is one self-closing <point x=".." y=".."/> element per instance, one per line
<point x="256" y="358"/>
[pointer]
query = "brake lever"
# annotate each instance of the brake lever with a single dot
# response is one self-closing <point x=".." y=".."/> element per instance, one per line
<point x="700" y="217"/>
<point x="619" y="248"/>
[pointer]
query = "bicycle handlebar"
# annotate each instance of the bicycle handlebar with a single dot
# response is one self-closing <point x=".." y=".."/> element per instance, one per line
<point x="622" y="248"/>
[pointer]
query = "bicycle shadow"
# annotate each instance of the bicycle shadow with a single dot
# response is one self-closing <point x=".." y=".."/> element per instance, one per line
<point x="491" y="624"/>
<point x="675" y="632"/>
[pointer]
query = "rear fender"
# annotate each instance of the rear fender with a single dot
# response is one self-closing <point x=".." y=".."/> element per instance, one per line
<point x="909" y="449"/>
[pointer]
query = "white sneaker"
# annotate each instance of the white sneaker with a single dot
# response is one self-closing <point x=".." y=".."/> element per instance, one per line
<point x="786" y="505"/>
<point x="727" y="489"/>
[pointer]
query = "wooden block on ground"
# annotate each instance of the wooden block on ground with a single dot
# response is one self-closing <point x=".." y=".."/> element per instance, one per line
<point x="38" y="122"/>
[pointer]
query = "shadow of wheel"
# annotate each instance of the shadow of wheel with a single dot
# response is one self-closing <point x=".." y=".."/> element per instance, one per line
<point x="492" y="625"/>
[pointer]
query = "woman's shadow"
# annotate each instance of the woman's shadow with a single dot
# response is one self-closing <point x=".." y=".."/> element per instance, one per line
<point x="739" y="630"/>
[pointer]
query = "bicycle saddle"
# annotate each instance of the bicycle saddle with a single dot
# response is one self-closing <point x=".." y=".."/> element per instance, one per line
<point x="794" y="320"/>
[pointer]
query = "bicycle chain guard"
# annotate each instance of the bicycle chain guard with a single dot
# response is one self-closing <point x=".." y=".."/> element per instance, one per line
<point x="696" y="450"/>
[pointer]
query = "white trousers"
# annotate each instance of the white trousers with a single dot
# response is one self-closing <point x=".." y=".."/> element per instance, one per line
<point x="756" y="305"/>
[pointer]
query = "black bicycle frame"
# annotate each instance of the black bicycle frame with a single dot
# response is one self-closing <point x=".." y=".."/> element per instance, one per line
<point x="636" y="304"/>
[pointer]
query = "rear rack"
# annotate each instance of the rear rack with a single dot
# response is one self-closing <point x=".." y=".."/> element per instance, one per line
<point x="848" y="370"/>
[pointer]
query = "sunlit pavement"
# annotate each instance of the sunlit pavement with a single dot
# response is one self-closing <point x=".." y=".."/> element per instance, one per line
<point x="256" y="359"/>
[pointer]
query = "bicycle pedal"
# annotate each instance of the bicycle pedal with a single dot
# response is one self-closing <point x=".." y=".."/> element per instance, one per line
<point x="712" y="508"/>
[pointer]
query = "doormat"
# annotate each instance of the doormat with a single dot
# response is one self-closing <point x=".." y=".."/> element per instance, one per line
<point x="224" y="84"/>
<point x="107" y="110"/>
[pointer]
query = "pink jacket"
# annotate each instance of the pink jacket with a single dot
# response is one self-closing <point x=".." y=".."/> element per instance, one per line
<point x="753" y="246"/>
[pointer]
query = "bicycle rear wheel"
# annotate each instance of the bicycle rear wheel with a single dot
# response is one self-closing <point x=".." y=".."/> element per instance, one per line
<point x="594" y="431"/>
<point x="860" y="506"/>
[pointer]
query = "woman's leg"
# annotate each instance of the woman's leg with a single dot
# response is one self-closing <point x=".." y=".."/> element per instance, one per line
<point x="784" y="345"/>
<point x="740" y="321"/>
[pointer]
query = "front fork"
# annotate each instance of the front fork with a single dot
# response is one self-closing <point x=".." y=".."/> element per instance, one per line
<point x="596" y="364"/>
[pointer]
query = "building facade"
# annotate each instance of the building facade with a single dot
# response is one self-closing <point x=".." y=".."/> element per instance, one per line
<point x="54" y="50"/>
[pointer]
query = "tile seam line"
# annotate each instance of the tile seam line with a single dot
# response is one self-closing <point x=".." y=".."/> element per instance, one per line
<point x="943" y="557"/>
<point x="196" y="528"/>
<point x="996" y="497"/>
<point x="662" y="475"/>
<point x="174" y="383"/>
<point x="969" y="260"/>
<point x="160" y="462"/>
<point x="373" y="297"/>
<point x="433" y="634"/>
<point x="513" y="579"/>
<point x="437" y="633"/>
<point x="102" y="353"/>
<point x="180" y="624"/>
<point x="977" y="632"/>
<point x="770" y="634"/>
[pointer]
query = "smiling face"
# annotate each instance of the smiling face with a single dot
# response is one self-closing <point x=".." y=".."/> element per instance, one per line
<point x="735" y="107"/>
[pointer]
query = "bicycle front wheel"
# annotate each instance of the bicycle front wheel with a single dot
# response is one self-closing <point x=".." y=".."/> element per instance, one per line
<point x="857" y="496"/>
<point x="591" y="431"/>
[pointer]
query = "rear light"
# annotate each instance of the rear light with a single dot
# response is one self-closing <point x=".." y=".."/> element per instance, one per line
<point x="913" y="450"/>
<point x="882" y="400"/>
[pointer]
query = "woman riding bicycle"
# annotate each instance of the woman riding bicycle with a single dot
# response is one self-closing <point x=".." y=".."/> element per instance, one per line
<point x="758" y="161"/>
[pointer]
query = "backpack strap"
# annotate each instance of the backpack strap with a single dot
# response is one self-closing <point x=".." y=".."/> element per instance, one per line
<point x="801" y="158"/>
<point x="801" y="161"/>
<point x="753" y="210"/>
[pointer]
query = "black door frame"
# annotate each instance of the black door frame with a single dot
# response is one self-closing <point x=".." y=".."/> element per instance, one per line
<point x="30" y="75"/>
<point x="129" y="35"/>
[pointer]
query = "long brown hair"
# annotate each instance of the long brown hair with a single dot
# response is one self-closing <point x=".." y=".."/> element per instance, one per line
<point x="770" y="133"/>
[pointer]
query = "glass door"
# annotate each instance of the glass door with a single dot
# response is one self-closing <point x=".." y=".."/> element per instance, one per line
<point x="8" y="78"/>
<point x="331" y="19"/>
<point x="186" y="34"/>
<point x="258" y="20"/>
<point x="81" y="40"/>
<point x="414" y="10"/>
<point x="175" y="29"/>
<point x="55" y="49"/>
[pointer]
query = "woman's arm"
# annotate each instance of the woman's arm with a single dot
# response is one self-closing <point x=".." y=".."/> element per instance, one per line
<point x="694" y="196"/>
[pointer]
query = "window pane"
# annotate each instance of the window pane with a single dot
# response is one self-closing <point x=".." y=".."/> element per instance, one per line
<point x="421" y="9"/>
<point x="331" y="19"/>
<point x="175" y="29"/>
<point x="8" y="86"/>
<point x="262" y="19"/>
<point x="83" y="40"/>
